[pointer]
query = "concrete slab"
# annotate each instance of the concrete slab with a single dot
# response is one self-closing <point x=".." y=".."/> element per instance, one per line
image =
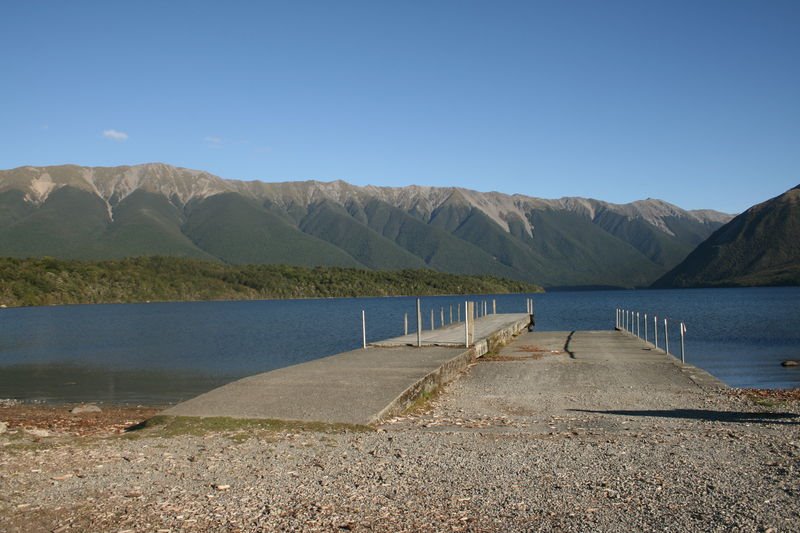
<point x="453" y="335"/>
<point x="357" y="387"/>
<point x="555" y="377"/>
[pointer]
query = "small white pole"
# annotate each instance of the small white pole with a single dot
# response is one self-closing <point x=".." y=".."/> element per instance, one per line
<point x="433" y="324"/>
<point x="645" y="327"/>
<point x="666" y="337"/>
<point x="466" y="324"/>
<point x="683" y="349"/>
<point x="458" y="311"/>
<point x="442" y="316"/>
<point x="638" y="330"/>
<point x="655" y="331"/>
<point x="451" y="313"/>
<point x="494" y="306"/>
<point x="405" y="324"/>
<point x="364" y="328"/>
<point x="419" y="324"/>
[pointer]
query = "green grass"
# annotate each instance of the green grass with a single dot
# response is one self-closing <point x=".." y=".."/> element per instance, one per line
<point x="237" y="428"/>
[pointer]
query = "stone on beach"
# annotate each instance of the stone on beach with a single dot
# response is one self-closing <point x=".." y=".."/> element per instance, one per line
<point x="87" y="408"/>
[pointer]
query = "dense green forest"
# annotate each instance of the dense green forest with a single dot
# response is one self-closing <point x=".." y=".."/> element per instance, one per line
<point x="49" y="281"/>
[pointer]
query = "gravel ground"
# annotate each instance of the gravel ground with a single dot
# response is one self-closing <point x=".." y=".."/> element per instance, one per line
<point x="523" y="441"/>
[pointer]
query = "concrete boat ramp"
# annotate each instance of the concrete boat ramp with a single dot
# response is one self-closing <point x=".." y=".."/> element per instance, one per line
<point x="364" y="386"/>
<point x="357" y="387"/>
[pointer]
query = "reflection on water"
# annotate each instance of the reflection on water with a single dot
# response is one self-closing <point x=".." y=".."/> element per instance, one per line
<point x="75" y="383"/>
<point x="165" y="352"/>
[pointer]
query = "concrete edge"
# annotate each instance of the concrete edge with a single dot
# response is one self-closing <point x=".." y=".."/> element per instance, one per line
<point x="702" y="378"/>
<point x="449" y="370"/>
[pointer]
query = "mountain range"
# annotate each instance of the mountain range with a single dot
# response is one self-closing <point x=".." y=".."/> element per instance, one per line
<point x="76" y="212"/>
<point x="759" y="247"/>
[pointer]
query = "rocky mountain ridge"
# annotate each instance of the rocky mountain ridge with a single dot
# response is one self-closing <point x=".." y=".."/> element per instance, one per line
<point x="113" y="184"/>
<point x="159" y="208"/>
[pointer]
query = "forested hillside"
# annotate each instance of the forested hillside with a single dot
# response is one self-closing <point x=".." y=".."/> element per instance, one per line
<point x="51" y="281"/>
<point x="98" y="213"/>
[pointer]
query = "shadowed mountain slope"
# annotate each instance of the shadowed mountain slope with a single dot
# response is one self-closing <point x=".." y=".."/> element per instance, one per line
<point x="759" y="247"/>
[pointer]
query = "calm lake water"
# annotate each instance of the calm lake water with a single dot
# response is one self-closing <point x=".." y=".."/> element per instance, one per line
<point x="161" y="353"/>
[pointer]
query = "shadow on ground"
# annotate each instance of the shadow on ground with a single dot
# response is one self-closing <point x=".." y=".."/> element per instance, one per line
<point x="708" y="415"/>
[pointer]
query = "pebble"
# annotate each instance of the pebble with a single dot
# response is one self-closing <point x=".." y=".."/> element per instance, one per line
<point x="36" y="432"/>
<point x="88" y="408"/>
<point x="482" y="459"/>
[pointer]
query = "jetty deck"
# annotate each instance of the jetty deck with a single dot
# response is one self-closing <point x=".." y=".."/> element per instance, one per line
<point x="364" y="386"/>
<point x="357" y="387"/>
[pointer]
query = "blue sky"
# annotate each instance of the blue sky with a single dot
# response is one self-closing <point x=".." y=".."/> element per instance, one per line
<point x="695" y="102"/>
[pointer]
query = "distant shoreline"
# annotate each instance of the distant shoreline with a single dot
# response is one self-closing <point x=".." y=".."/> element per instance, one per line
<point x="47" y="281"/>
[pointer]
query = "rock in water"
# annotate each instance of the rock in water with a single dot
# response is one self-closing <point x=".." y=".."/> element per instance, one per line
<point x="90" y="408"/>
<point x="790" y="362"/>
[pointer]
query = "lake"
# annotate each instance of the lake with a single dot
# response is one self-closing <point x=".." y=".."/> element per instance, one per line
<point x="162" y="353"/>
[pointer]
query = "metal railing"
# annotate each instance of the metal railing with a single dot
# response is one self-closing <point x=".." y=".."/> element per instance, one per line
<point x="472" y="311"/>
<point x="631" y="322"/>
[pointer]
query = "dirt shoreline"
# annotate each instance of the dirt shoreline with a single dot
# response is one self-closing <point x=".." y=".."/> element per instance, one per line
<point x="516" y="444"/>
<point x="115" y="419"/>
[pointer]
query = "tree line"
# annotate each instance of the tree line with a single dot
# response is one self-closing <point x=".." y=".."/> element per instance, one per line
<point x="48" y="281"/>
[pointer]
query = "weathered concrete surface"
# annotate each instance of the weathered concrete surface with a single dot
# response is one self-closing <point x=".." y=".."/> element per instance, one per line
<point x="357" y="387"/>
<point x="453" y="335"/>
<point x="571" y="381"/>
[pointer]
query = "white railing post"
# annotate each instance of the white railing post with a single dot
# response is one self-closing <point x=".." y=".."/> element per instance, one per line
<point x="683" y="350"/>
<point x="655" y="331"/>
<point x="419" y="324"/>
<point x="645" y="327"/>
<point x="466" y="324"/>
<point x="364" y="329"/>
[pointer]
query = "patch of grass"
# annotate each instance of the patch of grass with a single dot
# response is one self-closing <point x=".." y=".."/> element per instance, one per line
<point x="493" y="353"/>
<point x="764" y="402"/>
<point x="423" y="402"/>
<point x="239" y="428"/>
<point x="770" y="398"/>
